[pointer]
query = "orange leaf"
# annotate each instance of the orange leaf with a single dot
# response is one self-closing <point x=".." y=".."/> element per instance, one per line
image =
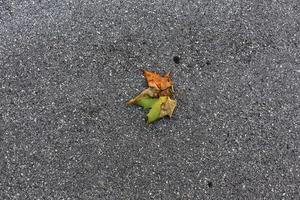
<point x="157" y="81"/>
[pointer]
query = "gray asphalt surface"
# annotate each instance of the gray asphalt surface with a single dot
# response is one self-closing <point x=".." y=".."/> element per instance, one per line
<point x="67" y="67"/>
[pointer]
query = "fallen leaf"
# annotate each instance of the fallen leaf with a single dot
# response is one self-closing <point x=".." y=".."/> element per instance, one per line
<point x="149" y="92"/>
<point x="157" y="81"/>
<point x="167" y="108"/>
<point x="146" y="102"/>
<point x="156" y="97"/>
<point x="154" y="113"/>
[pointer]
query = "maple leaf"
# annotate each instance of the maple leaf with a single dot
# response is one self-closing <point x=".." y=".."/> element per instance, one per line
<point x="154" y="113"/>
<point x="157" y="81"/>
<point x="164" y="106"/>
<point x="146" y="102"/>
<point x="147" y="93"/>
<point x="167" y="108"/>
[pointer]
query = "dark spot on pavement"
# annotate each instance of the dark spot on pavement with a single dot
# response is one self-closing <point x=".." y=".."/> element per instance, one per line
<point x="176" y="59"/>
<point x="210" y="184"/>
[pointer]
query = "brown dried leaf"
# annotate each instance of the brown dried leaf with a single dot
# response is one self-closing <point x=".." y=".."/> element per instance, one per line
<point x="157" y="81"/>
<point x="167" y="108"/>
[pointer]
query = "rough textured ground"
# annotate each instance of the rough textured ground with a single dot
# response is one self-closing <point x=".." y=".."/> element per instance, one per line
<point x="67" y="67"/>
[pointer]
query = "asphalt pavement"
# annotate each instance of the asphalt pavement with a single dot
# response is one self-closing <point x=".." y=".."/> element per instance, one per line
<point x="67" y="67"/>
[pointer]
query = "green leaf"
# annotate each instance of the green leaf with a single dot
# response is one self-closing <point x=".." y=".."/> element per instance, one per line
<point x="154" y="113"/>
<point x="147" y="93"/>
<point x="146" y="102"/>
